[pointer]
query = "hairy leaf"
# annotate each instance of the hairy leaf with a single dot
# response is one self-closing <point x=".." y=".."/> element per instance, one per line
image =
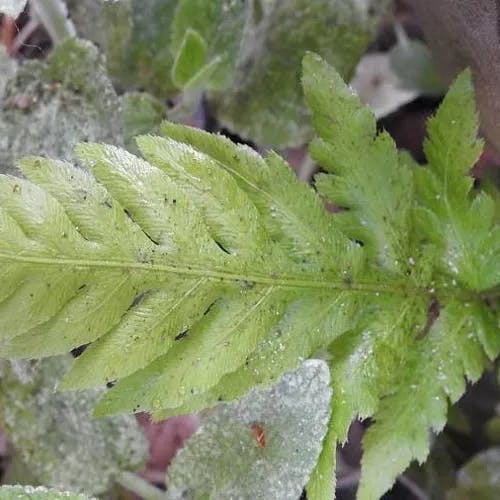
<point x="49" y="106"/>
<point x="272" y="440"/>
<point x="54" y="435"/>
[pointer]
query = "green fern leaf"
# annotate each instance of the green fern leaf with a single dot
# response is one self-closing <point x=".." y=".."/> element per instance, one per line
<point x="401" y="367"/>
<point x="182" y="278"/>
<point x="203" y="269"/>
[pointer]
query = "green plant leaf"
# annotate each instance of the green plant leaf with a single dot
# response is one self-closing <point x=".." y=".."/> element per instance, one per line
<point x="16" y="492"/>
<point x="49" y="106"/>
<point x="220" y="24"/>
<point x="377" y="210"/>
<point x="433" y="356"/>
<point x="190" y="58"/>
<point x="54" y="434"/>
<point x="272" y="439"/>
<point x="462" y="226"/>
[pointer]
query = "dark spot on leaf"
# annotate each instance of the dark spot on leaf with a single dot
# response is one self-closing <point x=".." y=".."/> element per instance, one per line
<point x="432" y="315"/>
<point x="207" y="310"/>
<point x="181" y="335"/>
<point x="138" y="299"/>
<point x="219" y="244"/>
<point x="77" y="351"/>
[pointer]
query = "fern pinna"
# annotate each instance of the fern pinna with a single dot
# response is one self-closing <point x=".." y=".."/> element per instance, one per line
<point x="203" y="269"/>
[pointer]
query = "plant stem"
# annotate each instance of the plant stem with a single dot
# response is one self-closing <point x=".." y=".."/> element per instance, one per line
<point x="139" y="486"/>
<point x="54" y="16"/>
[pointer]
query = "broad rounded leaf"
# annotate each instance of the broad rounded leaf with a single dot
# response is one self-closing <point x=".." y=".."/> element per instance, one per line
<point x="271" y="441"/>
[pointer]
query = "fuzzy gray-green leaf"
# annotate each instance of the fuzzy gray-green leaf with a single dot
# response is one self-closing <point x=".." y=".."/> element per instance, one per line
<point x="271" y="439"/>
<point x="55" y="435"/>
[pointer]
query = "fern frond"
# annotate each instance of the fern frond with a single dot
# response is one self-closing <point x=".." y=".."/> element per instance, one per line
<point x="203" y="269"/>
<point x="172" y="269"/>
<point x="401" y="366"/>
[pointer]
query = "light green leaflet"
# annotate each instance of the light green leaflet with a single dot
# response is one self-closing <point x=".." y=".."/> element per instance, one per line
<point x="203" y="270"/>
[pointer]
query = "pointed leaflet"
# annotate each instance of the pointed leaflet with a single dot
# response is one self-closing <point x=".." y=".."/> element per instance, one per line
<point x="366" y="175"/>
<point x="462" y="226"/>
